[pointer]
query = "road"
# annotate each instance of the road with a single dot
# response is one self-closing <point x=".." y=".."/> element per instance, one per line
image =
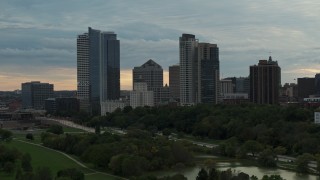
<point x="68" y="123"/>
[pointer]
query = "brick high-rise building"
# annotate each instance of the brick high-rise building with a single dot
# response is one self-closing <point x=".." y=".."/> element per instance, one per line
<point x="174" y="81"/>
<point x="265" y="82"/>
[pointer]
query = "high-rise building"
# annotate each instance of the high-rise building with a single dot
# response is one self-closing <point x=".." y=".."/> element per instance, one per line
<point x="188" y="69"/>
<point x="199" y="71"/>
<point x="83" y="86"/>
<point x="152" y="74"/>
<point x="265" y="82"/>
<point x="174" y="81"/>
<point x="306" y="87"/>
<point x="99" y="63"/>
<point x="35" y="93"/>
<point x="208" y="73"/>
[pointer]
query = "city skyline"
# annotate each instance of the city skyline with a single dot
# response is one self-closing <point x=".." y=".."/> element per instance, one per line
<point x="39" y="38"/>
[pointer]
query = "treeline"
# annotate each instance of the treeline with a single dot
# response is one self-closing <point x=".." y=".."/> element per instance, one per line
<point x="128" y="155"/>
<point x="275" y="126"/>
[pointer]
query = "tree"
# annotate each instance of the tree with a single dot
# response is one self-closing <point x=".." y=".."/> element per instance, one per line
<point x="166" y="132"/>
<point x="252" y="147"/>
<point x="29" y="136"/>
<point x="202" y="175"/>
<point x="213" y="174"/>
<point x="8" y="167"/>
<point x="180" y="153"/>
<point x="19" y="175"/>
<point x="97" y="129"/>
<point x="280" y="150"/>
<point x="5" y="135"/>
<point x="266" y="158"/>
<point x="318" y="162"/>
<point x="272" y="177"/>
<point x="72" y="173"/>
<point x="43" y="173"/>
<point x="55" y="129"/>
<point x="26" y="163"/>
<point x="302" y="162"/>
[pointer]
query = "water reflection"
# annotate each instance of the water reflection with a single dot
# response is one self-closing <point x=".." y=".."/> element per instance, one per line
<point x="191" y="173"/>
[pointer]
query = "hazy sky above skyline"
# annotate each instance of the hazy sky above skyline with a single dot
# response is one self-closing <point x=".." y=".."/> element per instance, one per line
<point x="38" y="37"/>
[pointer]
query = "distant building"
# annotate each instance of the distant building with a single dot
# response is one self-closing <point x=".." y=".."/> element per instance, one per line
<point x="165" y="95"/>
<point x="62" y="105"/>
<point x="152" y="74"/>
<point x="112" y="105"/>
<point x="306" y="87"/>
<point x="317" y="117"/>
<point x="98" y="64"/>
<point x="174" y="81"/>
<point x="226" y="86"/>
<point x="140" y="96"/>
<point x="242" y="85"/>
<point x="317" y="84"/>
<point x="35" y="93"/>
<point x="235" y="98"/>
<point x="311" y="102"/>
<point x="265" y="81"/>
<point x="289" y="93"/>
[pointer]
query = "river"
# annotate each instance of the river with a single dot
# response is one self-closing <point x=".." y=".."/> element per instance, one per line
<point x="191" y="173"/>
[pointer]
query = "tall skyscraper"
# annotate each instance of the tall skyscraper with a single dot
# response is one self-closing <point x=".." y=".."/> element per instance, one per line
<point x="174" y="81"/>
<point x="188" y="69"/>
<point x="265" y="82"/>
<point x="152" y="74"/>
<point x="83" y="85"/>
<point x="35" y="93"/>
<point x="208" y="73"/>
<point x="199" y="71"/>
<point x="99" y="63"/>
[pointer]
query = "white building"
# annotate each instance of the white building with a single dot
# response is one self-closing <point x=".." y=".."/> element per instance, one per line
<point x="83" y="71"/>
<point x="111" y="105"/>
<point x="140" y="96"/>
<point x="235" y="96"/>
<point x="317" y="117"/>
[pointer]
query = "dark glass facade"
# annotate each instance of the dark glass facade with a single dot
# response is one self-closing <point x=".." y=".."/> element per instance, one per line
<point x="104" y="68"/>
<point x="209" y="73"/>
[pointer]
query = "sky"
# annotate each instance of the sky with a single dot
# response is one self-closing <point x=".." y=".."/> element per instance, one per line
<point x="38" y="37"/>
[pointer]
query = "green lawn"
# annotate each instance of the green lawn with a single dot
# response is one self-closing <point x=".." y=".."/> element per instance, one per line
<point x="46" y="157"/>
<point x="52" y="159"/>
<point x="4" y="176"/>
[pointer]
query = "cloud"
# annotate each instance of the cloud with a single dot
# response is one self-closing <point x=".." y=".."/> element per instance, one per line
<point x="40" y="36"/>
